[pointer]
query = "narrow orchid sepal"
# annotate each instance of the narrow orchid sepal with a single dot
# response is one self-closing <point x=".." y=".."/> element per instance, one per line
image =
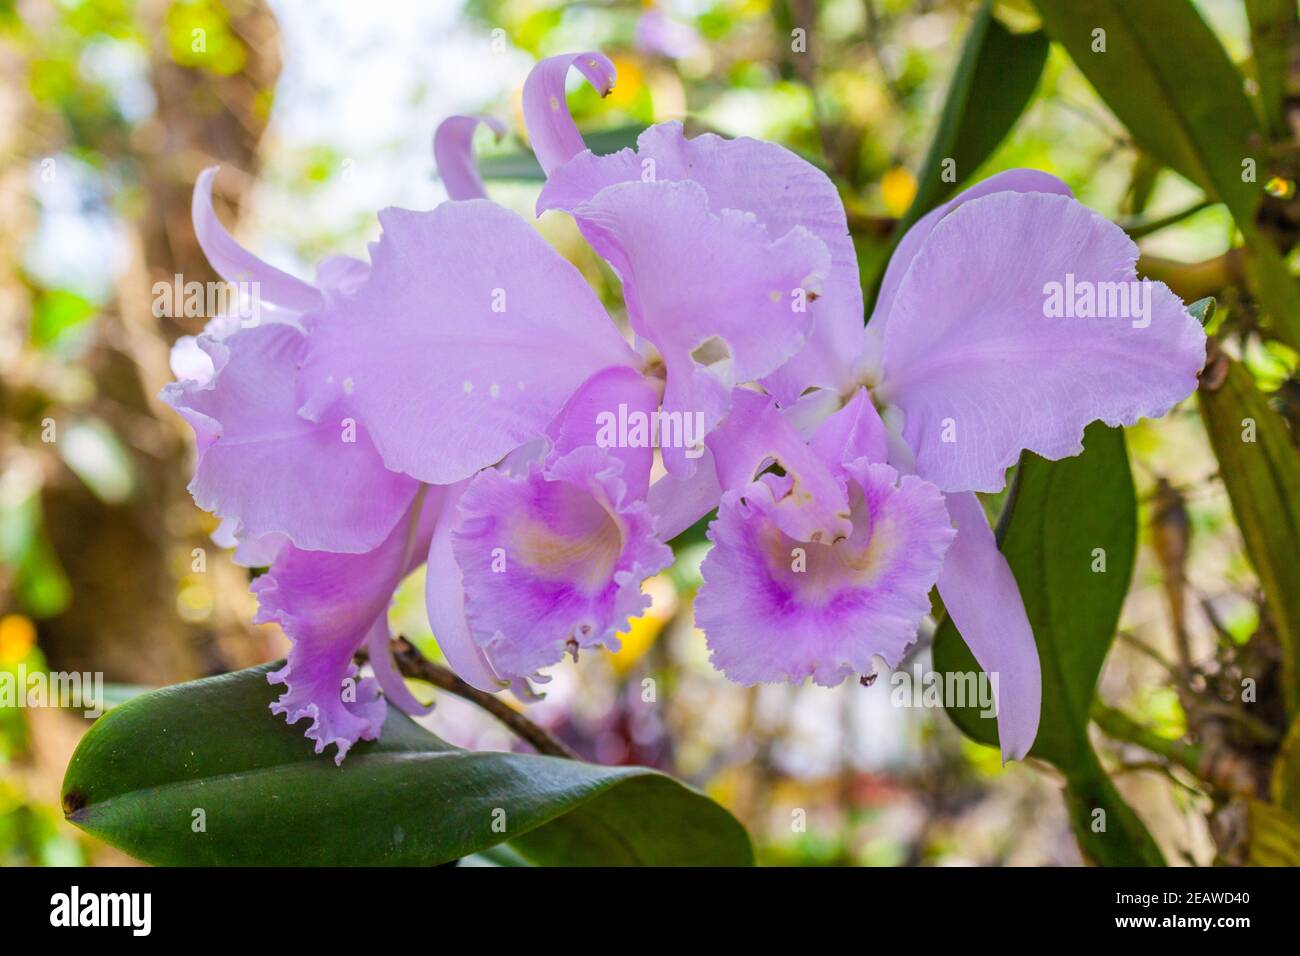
<point x="551" y="130"/>
<point x="236" y="264"/>
<point x="390" y="681"/>
<point x="453" y="154"/>
<point x="982" y="598"/>
<point x="444" y="594"/>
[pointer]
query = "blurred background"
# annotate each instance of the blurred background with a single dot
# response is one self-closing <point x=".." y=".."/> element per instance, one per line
<point x="321" y="112"/>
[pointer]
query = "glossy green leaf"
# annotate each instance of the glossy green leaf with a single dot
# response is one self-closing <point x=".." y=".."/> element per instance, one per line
<point x="1261" y="470"/>
<point x="1062" y="520"/>
<point x="146" y="769"/>
<point x="1166" y="77"/>
<point x="993" y="83"/>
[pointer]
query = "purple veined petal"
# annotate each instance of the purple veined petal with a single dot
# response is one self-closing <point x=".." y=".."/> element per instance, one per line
<point x="234" y="263"/>
<point x="1012" y="180"/>
<point x="717" y="295"/>
<point x="812" y="505"/>
<point x="326" y="604"/>
<point x="444" y="594"/>
<point x="468" y="337"/>
<point x="982" y="368"/>
<point x="781" y="190"/>
<point x="320" y="484"/>
<point x="551" y="130"/>
<point x="453" y="154"/>
<point x="855" y="431"/>
<point x="554" y="560"/>
<point x="390" y="681"/>
<point x="982" y="598"/>
<point x="777" y="609"/>
<point x="615" y="409"/>
<point x="341" y="273"/>
<point x="677" y="503"/>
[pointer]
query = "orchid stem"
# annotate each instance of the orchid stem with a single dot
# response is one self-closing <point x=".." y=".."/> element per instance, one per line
<point x="1223" y="772"/>
<point x="411" y="663"/>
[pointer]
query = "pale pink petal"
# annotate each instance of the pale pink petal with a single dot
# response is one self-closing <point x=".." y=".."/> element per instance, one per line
<point x="551" y="131"/>
<point x="234" y="263"/>
<point x="812" y="505"/>
<point x="453" y="154"/>
<point x="468" y="337"/>
<point x="982" y="373"/>
<point x="982" y="598"/>
<point x="777" y="609"/>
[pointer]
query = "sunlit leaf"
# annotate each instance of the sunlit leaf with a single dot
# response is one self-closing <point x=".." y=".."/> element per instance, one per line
<point x="151" y="769"/>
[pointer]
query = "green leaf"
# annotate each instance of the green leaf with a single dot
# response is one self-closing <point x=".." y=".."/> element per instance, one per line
<point x="1057" y="517"/>
<point x="145" y="769"/>
<point x="1274" y="31"/>
<point x="994" y="82"/>
<point x="1166" y="77"/>
<point x="1274" y="836"/>
<point x="1284" y="788"/>
<point x="1202" y="310"/>
<point x="1261" y="470"/>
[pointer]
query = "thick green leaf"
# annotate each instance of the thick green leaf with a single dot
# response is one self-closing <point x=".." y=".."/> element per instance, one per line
<point x="994" y="82"/>
<point x="1261" y="470"/>
<point x="1169" y="81"/>
<point x="145" y="770"/>
<point x="1061" y="521"/>
<point x="1274" y="32"/>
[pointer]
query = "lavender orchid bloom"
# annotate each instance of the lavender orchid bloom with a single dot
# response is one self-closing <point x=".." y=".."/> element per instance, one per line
<point x="963" y="357"/>
<point x="970" y="379"/>
<point x="464" y="399"/>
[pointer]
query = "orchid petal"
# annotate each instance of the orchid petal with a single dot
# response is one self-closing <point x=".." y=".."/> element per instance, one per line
<point x="445" y="601"/>
<point x="551" y="130"/>
<point x="554" y="559"/>
<point x="234" y="263"/>
<point x="1013" y="180"/>
<point x="984" y="374"/>
<point x="453" y="154"/>
<point x="390" y="681"/>
<point x="321" y="484"/>
<point x="982" y="598"/>
<point x="468" y="337"/>
<point x="855" y="431"/>
<point x="774" y="608"/>
<point x="341" y="273"/>
<point x="677" y="503"/>
<point x="613" y="400"/>
<point x="781" y="190"/>
<point x="813" y="505"/>
<point x="326" y="604"/>
<point x="717" y="296"/>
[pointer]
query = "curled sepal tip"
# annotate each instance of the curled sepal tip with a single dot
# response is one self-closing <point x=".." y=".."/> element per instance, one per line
<point x="550" y="125"/>
<point x="453" y="154"/>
